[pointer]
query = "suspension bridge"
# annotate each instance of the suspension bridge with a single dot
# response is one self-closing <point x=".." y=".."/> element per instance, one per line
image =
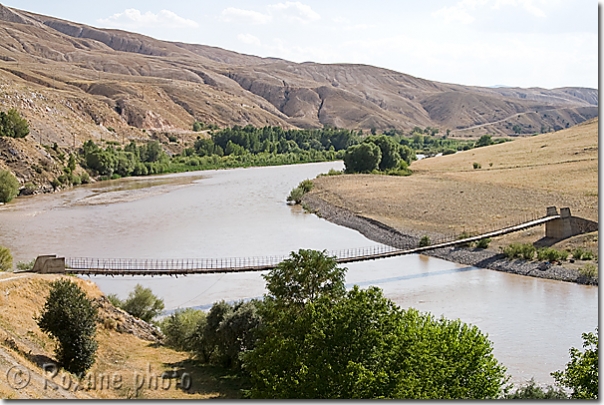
<point x="557" y="226"/>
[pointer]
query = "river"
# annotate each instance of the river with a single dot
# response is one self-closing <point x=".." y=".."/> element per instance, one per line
<point x="242" y="212"/>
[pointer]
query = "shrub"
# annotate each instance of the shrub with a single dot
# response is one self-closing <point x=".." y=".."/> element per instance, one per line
<point x="85" y="178"/>
<point x="425" y="241"/>
<point x="26" y="266"/>
<point x="589" y="270"/>
<point x="13" y="125"/>
<point x="179" y="328"/>
<point x="70" y="317"/>
<point x="464" y="235"/>
<point x="578" y="253"/>
<point x="532" y="391"/>
<point x="197" y="126"/>
<point x="295" y="195"/>
<point x="6" y="259"/>
<point x="517" y="250"/>
<point x="142" y="304"/>
<point x="551" y="255"/>
<point x="528" y="251"/>
<point x="9" y="186"/>
<point x="483" y="243"/>
<point x="476" y="165"/>
<point x="306" y="185"/>
<point x="581" y="372"/>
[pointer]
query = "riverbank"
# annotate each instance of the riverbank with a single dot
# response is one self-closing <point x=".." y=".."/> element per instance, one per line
<point x="483" y="258"/>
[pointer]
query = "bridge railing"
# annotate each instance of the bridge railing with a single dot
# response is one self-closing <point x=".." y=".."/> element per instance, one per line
<point x="149" y="266"/>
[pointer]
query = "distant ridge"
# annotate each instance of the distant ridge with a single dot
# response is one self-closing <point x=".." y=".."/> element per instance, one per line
<point x="100" y="78"/>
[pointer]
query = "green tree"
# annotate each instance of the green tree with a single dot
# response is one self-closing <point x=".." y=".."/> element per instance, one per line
<point x="143" y="304"/>
<point x="305" y="276"/>
<point x="197" y="126"/>
<point x="581" y="372"/>
<point x="9" y="186"/>
<point x="13" y="125"/>
<point x="517" y="129"/>
<point x="70" y="317"/>
<point x="484" y="140"/>
<point x="316" y="341"/>
<point x="180" y="326"/>
<point x="362" y="158"/>
<point x="6" y="259"/>
<point x="389" y="150"/>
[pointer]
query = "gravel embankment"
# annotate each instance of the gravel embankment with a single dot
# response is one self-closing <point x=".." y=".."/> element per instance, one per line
<point x="482" y="258"/>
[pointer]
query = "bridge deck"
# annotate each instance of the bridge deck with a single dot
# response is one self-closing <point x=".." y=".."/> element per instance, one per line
<point x="175" y="267"/>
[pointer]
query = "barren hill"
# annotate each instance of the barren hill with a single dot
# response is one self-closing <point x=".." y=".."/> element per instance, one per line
<point x="482" y="189"/>
<point x="74" y="82"/>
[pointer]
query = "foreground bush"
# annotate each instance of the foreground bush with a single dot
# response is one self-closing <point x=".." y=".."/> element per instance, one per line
<point x="318" y="341"/>
<point x="70" y="317"/>
<point x="532" y="391"/>
<point x="581" y="372"/>
<point x="9" y="186"/>
<point x="6" y="259"/>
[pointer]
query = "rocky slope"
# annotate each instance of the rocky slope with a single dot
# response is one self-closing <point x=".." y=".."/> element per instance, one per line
<point x="73" y="82"/>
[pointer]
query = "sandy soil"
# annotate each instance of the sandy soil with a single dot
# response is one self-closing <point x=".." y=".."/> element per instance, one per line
<point x="516" y="181"/>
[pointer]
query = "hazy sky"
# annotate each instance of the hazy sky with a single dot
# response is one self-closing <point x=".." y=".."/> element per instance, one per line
<point x="526" y="43"/>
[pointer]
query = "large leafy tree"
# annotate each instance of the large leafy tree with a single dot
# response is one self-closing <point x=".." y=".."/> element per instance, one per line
<point x="317" y="341"/>
<point x="70" y="317"/>
<point x="362" y="158"/>
<point x="581" y="372"/>
<point x="389" y="149"/>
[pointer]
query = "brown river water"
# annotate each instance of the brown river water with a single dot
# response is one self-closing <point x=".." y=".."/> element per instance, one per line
<point x="242" y="212"/>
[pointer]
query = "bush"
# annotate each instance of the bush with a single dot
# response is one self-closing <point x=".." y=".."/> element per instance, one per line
<point x="589" y="270"/>
<point x="306" y="185"/>
<point x="70" y="317"/>
<point x="483" y="243"/>
<point x="517" y="250"/>
<point x="476" y="165"/>
<point x="581" y="372"/>
<point x="6" y="259"/>
<point x="9" y="186"/>
<point x="578" y="253"/>
<point x="528" y="251"/>
<point x="464" y="235"/>
<point x="179" y="328"/>
<point x="85" y="178"/>
<point x="13" y="125"/>
<point x="295" y="195"/>
<point x="425" y="241"/>
<point x="551" y="255"/>
<point x="26" y="266"/>
<point x="142" y="304"/>
<point x="532" y="391"/>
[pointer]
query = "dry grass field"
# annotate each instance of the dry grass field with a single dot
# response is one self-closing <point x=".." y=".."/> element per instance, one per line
<point x="515" y="181"/>
<point x="124" y="355"/>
